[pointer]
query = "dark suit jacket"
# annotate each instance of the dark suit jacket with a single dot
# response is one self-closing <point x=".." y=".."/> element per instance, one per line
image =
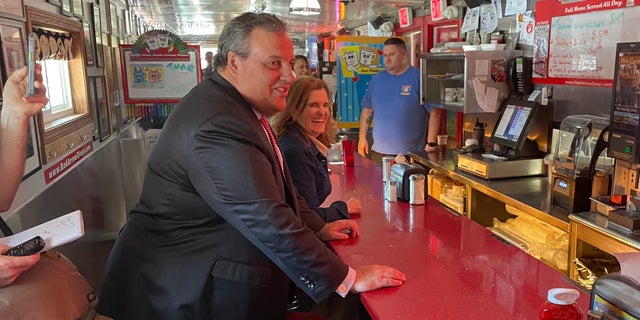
<point x="310" y="174"/>
<point x="217" y="230"/>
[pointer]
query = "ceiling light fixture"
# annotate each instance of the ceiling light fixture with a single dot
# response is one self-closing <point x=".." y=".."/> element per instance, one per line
<point x="304" y="7"/>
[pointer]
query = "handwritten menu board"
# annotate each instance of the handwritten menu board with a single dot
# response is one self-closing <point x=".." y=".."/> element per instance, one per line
<point x="150" y="78"/>
<point x="582" y="40"/>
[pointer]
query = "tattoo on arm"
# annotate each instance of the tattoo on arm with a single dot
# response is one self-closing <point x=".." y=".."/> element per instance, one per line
<point x="368" y="120"/>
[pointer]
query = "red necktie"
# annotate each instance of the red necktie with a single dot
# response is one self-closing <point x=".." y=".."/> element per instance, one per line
<point x="272" y="138"/>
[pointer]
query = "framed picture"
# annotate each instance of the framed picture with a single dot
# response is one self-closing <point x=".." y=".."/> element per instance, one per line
<point x="78" y="9"/>
<point x="12" y="9"/>
<point x="104" y="22"/>
<point x="13" y="46"/>
<point x="67" y="8"/>
<point x="91" y="87"/>
<point x="102" y="108"/>
<point x="55" y="2"/>
<point x="126" y="22"/>
<point x="113" y="14"/>
<point x="95" y="14"/>
<point x="90" y="49"/>
<point x="32" y="162"/>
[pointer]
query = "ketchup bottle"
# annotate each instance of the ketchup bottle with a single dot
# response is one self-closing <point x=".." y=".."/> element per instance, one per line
<point x="561" y="305"/>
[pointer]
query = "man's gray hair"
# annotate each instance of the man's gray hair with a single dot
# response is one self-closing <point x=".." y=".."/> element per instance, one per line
<point x="235" y="35"/>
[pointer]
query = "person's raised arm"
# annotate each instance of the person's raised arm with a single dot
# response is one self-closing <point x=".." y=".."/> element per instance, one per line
<point x="14" y="119"/>
<point x="433" y="129"/>
<point x="366" y="115"/>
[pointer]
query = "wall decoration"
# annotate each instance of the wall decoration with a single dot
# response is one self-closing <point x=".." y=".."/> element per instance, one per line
<point x="113" y="14"/>
<point x="126" y="20"/>
<point x="52" y="45"/>
<point x="67" y="8"/>
<point x="102" y="108"/>
<point x="12" y="45"/>
<point x="159" y="67"/>
<point x="32" y="162"/>
<point x="12" y="9"/>
<point x="92" y="105"/>
<point x="95" y="13"/>
<point x="78" y="8"/>
<point x="89" y="46"/>
<point x="104" y="22"/>
<point x="578" y="40"/>
<point x="55" y="2"/>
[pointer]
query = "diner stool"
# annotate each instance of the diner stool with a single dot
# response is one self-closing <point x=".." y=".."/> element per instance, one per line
<point x="304" y="316"/>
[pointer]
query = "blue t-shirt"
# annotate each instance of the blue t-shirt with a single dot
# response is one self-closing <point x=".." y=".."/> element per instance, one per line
<point x="399" y="120"/>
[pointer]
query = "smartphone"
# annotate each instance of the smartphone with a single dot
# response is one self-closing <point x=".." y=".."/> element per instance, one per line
<point x="27" y="248"/>
<point x="31" y="62"/>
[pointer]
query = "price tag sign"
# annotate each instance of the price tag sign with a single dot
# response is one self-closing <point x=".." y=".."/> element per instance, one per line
<point x="437" y="7"/>
<point x="405" y="16"/>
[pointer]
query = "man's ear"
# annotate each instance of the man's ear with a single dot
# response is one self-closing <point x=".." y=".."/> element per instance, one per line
<point x="232" y="62"/>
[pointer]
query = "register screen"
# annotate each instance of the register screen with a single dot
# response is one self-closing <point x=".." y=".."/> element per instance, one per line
<point x="512" y="122"/>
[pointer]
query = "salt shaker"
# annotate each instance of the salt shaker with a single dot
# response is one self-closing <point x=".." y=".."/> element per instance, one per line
<point x="390" y="191"/>
<point x="416" y="188"/>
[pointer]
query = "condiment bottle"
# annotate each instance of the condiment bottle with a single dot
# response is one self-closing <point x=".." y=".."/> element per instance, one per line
<point x="390" y="191"/>
<point x="561" y="305"/>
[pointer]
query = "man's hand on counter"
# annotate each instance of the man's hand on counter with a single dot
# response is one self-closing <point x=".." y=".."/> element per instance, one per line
<point x="339" y="230"/>
<point x="376" y="276"/>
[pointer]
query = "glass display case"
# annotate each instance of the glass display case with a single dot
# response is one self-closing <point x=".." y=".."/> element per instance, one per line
<point x="470" y="82"/>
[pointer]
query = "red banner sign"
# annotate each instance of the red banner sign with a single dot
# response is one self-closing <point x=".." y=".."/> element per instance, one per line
<point x="66" y="163"/>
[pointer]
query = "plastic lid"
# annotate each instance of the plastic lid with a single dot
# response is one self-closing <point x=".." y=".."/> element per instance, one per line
<point x="562" y="296"/>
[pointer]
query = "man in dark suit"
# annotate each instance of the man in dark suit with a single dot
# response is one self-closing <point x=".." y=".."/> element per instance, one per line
<point x="208" y="70"/>
<point x="219" y="228"/>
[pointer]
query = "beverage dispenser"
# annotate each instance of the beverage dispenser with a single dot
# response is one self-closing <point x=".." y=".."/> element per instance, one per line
<point x="581" y="140"/>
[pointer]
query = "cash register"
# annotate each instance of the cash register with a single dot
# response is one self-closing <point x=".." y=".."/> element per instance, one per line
<point x="517" y="156"/>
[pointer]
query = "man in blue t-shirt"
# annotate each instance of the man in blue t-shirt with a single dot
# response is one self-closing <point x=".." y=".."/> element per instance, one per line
<point x="392" y="101"/>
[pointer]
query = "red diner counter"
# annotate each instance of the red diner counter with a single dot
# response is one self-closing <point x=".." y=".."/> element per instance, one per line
<point x="455" y="268"/>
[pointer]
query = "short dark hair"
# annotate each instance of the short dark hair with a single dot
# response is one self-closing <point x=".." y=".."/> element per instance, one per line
<point x="236" y="32"/>
<point x="395" y="41"/>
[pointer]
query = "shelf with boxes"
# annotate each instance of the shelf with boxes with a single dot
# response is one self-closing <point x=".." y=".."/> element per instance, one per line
<point x="516" y="210"/>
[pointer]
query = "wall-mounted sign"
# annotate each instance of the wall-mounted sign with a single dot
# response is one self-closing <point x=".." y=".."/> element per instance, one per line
<point x="55" y="170"/>
<point x="437" y="8"/>
<point x="159" y="68"/>
<point x="575" y="42"/>
<point x="406" y="17"/>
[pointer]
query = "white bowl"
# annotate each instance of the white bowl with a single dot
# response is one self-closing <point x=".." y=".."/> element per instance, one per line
<point x="471" y="47"/>
<point x="452" y="45"/>
<point x="493" y="46"/>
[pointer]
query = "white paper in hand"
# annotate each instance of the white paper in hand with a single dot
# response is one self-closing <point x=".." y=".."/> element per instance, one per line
<point x="55" y="232"/>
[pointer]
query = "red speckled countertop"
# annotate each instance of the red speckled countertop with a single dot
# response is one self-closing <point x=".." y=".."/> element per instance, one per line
<point x="455" y="268"/>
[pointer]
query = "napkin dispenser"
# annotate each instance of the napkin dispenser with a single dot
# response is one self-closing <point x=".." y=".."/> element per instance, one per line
<point x="400" y="173"/>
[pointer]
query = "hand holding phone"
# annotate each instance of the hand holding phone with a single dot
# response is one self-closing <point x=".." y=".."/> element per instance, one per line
<point x="31" y="62"/>
<point x="27" y="248"/>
